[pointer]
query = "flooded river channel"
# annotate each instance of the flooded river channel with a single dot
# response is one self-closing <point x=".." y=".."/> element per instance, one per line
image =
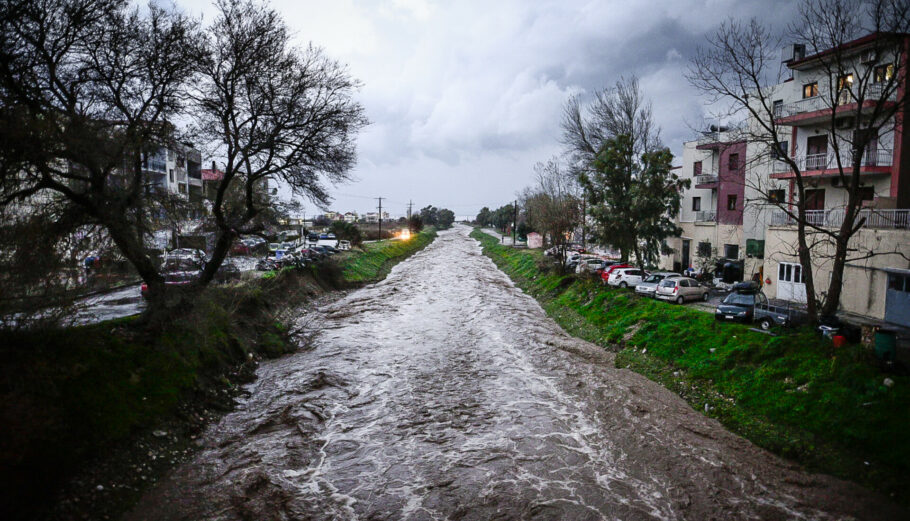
<point x="444" y="392"/>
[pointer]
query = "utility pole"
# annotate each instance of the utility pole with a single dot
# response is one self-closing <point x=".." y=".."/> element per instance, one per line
<point x="410" y="205"/>
<point x="514" y="221"/>
<point x="380" y="217"/>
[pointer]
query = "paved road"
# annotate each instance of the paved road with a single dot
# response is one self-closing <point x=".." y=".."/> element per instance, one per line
<point x="444" y="392"/>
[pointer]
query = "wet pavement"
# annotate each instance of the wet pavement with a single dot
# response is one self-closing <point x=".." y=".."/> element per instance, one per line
<point x="444" y="392"/>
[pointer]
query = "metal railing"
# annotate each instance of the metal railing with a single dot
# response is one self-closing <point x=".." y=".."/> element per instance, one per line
<point x="827" y="161"/>
<point x="705" y="179"/>
<point x="834" y="218"/>
<point x="874" y="92"/>
<point x="706" y="217"/>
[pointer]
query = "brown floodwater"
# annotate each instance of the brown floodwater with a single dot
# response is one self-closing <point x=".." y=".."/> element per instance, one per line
<point x="444" y="392"/>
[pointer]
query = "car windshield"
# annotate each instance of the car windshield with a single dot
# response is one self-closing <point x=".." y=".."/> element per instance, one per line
<point x="740" y="299"/>
<point x="654" y="278"/>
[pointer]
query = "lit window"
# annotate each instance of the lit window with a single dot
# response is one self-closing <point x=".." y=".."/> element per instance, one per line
<point x="845" y="82"/>
<point x="883" y="73"/>
<point x="810" y="90"/>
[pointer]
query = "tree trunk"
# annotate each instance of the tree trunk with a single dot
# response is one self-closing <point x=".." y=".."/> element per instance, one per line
<point x="805" y="260"/>
<point x="222" y="247"/>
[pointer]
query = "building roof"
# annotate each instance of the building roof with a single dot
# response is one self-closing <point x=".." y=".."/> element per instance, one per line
<point x="852" y="46"/>
<point x="212" y="175"/>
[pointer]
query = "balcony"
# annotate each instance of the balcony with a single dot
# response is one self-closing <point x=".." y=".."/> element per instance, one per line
<point x="706" y="181"/>
<point x="811" y="111"/>
<point x="876" y="161"/>
<point x="834" y="217"/>
<point x="706" y="217"/>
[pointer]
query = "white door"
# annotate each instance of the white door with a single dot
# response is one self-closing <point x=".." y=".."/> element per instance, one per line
<point x="790" y="282"/>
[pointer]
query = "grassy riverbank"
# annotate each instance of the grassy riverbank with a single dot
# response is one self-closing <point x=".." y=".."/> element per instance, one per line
<point x="129" y="397"/>
<point x="791" y="394"/>
<point x="376" y="259"/>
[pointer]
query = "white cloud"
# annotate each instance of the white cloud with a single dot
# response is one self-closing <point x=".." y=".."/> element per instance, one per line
<point x="465" y="96"/>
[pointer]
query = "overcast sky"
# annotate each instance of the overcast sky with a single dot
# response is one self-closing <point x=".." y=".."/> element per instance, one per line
<point x="464" y="97"/>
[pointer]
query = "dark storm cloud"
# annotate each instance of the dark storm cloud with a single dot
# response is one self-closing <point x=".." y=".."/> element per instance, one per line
<point x="466" y="96"/>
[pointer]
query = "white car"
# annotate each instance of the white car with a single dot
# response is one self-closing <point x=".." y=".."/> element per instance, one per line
<point x="589" y="265"/>
<point x="648" y="285"/>
<point x="625" y="277"/>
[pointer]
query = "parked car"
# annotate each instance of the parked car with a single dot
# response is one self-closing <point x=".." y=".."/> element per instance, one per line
<point x="767" y="315"/>
<point x="174" y="278"/>
<point x="739" y="306"/>
<point x="228" y="271"/>
<point x="605" y="274"/>
<point x="266" y="264"/>
<point x="344" y="245"/>
<point x="625" y="277"/>
<point x="590" y="265"/>
<point x="181" y="258"/>
<point x="648" y="285"/>
<point x="681" y="289"/>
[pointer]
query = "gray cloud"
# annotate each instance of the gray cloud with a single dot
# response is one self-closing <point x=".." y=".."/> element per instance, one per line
<point x="466" y="96"/>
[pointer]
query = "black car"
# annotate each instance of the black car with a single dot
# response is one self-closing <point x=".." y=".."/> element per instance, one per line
<point x="739" y="306"/>
<point x="228" y="271"/>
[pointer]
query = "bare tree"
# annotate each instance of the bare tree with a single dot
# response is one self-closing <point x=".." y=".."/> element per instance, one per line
<point x="274" y="113"/>
<point x="586" y="130"/>
<point x="88" y="88"/>
<point x="739" y="68"/>
<point x="553" y="205"/>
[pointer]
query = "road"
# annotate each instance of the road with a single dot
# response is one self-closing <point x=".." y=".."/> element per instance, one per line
<point x="444" y="392"/>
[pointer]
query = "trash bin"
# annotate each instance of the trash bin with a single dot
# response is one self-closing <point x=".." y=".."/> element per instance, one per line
<point x="885" y="344"/>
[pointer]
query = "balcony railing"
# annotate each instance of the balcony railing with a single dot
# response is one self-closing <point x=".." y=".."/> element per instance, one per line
<point x="705" y="217"/>
<point x="827" y="161"/>
<point x="705" y="179"/>
<point x="834" y="218"/>
<point x="874" y="92"/>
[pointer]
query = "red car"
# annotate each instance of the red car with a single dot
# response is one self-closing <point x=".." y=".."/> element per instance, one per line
<point x="605" y="274"/>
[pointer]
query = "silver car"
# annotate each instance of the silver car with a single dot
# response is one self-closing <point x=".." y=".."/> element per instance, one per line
<point x="681" y="289"/>
<point x="648" y="286"/>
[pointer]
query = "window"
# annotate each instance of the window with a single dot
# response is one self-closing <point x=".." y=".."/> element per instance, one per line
<point x="776" y="196"/>
<point x="733" y="161"/>
<point x="778" y="107"/>
<point x="898" y="282"/>
<point x="866" y="193"/>
<point x="696" y="204"/>
<point x="815" y="199"/>
<point x="845" y="81"/>
<point x="731" y="202"/>
<point x="787" y="272"/>
<point x="731" y="251"/>
<point x="704" y="249"/>
<point x="755" y="248"/>
<point x="696" y="168"/>
<point x="781" y="151"/>
<point x="181" y="188"/>
<point x="883" y="73"/>
<point x="172" y="175"/>
<point x="810" y="90"/>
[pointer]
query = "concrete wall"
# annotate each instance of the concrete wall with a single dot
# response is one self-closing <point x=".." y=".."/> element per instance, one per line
<point x="864" y="281"/>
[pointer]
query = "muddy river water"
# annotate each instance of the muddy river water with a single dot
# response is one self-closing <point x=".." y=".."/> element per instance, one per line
<point x="444" y="392"/>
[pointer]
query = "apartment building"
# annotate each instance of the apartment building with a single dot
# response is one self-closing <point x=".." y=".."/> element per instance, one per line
<point x="177" y="169"/>
<point x="711" y="210"/>
<point x="876" y="287"/>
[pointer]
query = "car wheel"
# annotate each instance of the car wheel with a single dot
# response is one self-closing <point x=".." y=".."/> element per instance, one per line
<point x="704" y="297"/>
<point x="765" y="324"/>
<point x="680" y="300"/>
<point x="623" y="284"/>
